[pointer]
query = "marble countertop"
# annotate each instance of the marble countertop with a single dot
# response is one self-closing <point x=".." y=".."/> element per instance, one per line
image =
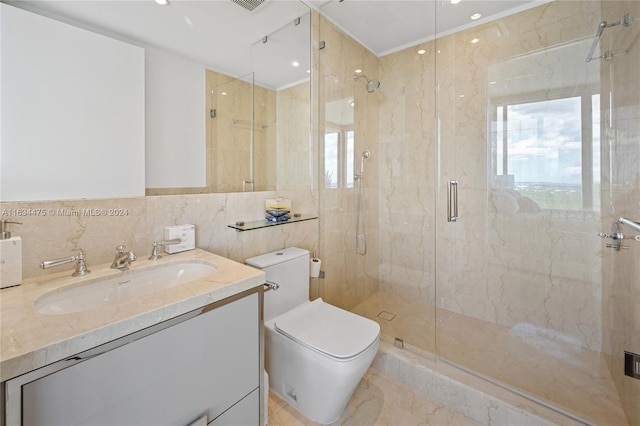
<point x="30" y="340"/>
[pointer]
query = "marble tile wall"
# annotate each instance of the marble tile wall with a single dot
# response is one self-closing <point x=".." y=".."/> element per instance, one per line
<point x="98" y="226"/>
<point x="621" y="197"/>
<point x="293" y="162"/>
<point x="281" y="148"/>
<point x="535" y="268"/>
<point x="408" y="173"/>
<point x="238" y="104"/>
<point x="349" y="277"/>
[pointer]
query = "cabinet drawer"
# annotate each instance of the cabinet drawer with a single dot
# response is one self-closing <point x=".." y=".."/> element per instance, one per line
<point x="203" y="365"/>
<point x="245" y="412"/>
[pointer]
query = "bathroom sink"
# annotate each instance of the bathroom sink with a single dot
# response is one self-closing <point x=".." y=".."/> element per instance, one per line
<point x="123" y="286"/>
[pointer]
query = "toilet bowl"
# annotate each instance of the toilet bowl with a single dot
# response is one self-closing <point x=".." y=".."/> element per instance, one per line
<point x="315" y="353"/>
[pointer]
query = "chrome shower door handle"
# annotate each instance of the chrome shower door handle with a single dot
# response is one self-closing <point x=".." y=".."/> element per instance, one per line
<point x="452" y="201"/>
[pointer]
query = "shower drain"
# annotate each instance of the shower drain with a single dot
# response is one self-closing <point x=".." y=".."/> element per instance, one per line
<point x="387" y="316"/>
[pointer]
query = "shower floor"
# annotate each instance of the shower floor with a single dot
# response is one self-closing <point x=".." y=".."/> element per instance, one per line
<point x="574" y="379"/>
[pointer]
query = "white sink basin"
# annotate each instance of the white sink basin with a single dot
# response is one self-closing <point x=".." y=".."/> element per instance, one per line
<point x="123" y="286"/>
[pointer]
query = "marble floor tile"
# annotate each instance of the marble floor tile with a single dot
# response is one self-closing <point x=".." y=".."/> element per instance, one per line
<point x="574" y="379"/>
<point x="378" y="400"/>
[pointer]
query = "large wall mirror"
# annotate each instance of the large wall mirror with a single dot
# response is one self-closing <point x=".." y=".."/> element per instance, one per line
<point x="226" y="94"/>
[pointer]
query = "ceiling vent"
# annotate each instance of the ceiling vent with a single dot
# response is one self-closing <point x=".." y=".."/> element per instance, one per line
<point x="250" y="5"/>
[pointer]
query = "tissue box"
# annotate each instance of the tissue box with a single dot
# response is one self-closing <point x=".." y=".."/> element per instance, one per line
<point x="187" y="233"/>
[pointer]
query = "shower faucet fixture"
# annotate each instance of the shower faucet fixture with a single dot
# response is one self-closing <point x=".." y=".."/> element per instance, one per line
<point x="365" y="154"/>
<point x="616" y="237"/>
<point x="630" y="223"/>
<point x="372" y="85"/>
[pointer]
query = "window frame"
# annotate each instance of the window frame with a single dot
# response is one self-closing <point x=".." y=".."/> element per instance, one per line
<point x="586" y="94"/>
<point x="342" y="180"/>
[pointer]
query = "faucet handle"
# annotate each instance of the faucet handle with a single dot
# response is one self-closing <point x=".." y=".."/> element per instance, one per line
<point x="155" y="251"/>
<point x="121" y="248"/>
<point x="81" y="266"/>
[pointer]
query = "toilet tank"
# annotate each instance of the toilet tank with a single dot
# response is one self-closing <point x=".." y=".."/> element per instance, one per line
<point x="289" y="268"/>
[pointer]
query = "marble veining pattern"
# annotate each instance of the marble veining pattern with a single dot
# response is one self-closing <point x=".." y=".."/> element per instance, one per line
<point x="378" y="400"/>
<point x="530" y="360"/>
<point x="31" y="340"/>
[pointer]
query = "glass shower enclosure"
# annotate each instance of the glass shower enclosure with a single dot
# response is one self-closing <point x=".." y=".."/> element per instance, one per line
<point x="499" y="153"/>
<point x="523" y="141"/>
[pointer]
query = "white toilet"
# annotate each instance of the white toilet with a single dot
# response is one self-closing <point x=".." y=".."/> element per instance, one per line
<point x="316" y="353"/>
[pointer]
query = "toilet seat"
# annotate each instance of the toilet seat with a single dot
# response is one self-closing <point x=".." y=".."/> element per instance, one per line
<point x="328" y="329"/>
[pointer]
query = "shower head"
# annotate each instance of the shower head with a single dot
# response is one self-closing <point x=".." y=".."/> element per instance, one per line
<point x="365" y="154"/>
<point x="372" y="85"/>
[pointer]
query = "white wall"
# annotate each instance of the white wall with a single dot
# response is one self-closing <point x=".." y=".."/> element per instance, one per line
<point x="175" y="121"/>
<point x="72" y="111"/>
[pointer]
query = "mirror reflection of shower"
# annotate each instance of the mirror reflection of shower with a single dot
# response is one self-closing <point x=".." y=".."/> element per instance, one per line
<point x="372" y="85"/>
<point x="361" y="232"/>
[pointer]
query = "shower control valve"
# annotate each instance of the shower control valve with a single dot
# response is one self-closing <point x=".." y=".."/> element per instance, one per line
<point x="616" y="236"/>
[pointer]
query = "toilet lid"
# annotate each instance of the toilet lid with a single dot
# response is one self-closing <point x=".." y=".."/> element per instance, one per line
<point x="328" y="329"/>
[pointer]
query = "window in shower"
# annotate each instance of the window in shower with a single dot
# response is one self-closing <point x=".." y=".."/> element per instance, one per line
<point x="338" y="158"/>
<point x="549" y="150"/>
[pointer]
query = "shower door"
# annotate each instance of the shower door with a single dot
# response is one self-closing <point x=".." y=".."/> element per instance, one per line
<point x="519" y="270"/>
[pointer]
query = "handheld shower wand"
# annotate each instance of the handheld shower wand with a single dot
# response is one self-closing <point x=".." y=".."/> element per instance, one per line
<point x="365" y="154"/>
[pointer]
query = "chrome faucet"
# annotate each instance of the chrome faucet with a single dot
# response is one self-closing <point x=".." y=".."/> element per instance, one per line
<point x="81" y="266"/>
<point x="123" y="258"/>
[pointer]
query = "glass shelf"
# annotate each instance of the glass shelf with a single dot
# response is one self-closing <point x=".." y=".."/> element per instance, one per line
<point x="258" y="224"/>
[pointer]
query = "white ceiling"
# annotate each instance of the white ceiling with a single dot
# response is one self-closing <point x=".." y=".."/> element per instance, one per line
<point x="386" y="26"/>
<point x="227" y="38"/>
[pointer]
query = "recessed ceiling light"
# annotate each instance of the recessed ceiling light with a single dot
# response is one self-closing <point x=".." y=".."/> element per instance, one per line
<point x="476" y="16"/>
<point x="162" y="2"/>
<point x="358" y="71"/>
<point x="295" y="63"/>
<point x="454" y="1"/>
<point x="475" y="40"/>
<point x="224" y="93"/>
<point x="421" y="52"/>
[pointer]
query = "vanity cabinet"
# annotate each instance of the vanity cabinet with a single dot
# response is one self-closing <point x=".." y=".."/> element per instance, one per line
<point x="203" y="367"/>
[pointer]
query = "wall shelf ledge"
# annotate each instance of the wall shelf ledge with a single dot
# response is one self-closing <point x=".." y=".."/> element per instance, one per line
<point x="259" y="224"/>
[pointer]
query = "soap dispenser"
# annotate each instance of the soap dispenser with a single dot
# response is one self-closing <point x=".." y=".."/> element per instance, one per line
<point x="10" y="256"/>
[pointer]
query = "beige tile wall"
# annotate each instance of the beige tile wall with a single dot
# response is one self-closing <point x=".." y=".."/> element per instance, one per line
<point x="621" y="198"/>
<point x="293" y="164"/>
<point x="350" y="278"/>
<point x="69" y="226"/>
<point x="536" y="268"/>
